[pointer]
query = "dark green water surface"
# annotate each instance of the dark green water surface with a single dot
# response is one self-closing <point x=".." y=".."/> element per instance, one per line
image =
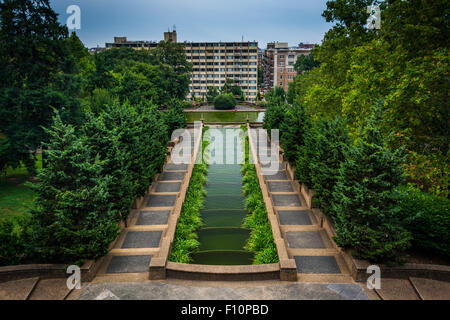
<point x="222" y="239"/>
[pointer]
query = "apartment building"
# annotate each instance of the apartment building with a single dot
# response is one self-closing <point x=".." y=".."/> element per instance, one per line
<point x="214" y="62"/>
<point x="123" y="42"/>
<point x="278" y="63"/>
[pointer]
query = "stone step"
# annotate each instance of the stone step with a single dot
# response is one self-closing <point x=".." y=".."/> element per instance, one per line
<point x="429" y="289"/>
<point x="50" y="289"/>
<point x="17" y="289"/>
<point x="397" y="289"/>
<point x="119" y="264"/>
<point x="163" y="187"/>
<point x="313" y="252"/>
<point x="152" y="218"/>
<point x="317" y="264"/>
<point x="315" y="239"/>
<point x="294" y="218"/>
<point x="132" y="251"/>
<point x="287" y="200"/>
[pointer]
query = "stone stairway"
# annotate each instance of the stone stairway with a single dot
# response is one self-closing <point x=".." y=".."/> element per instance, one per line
<point x="130" y="257"/>
<point x="316" y="256"/>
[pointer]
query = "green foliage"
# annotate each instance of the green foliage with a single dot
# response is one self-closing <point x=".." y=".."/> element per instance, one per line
<point x="367" y="219"/>
<point x="14" y="235"/>
<point x="328" y="149"/>
<point x="404" y="64"/>
<point x="212" y="94"/>
<point x="99" y="99"/>
<point x="227" y="87"/>
<point x="186" y="238"/>
<point x="293" y="128"/>
<point x="261" y="241"/>
<point x="73" y="219"/>
<point x="140" y="75"/>
<point x="225" y="101"/>
<point x="276" y="96"/>
<point x="274" y="116"/>
<point x="305" y="63"/>
<point x="428" y="219"/>
<point x="37" y="75"/>
<point x="174" y="117"/>
<point x="429" y="172"/>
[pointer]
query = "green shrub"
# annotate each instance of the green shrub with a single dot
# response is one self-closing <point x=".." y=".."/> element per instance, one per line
<point x="73" y="219"/>
<point x="328" y="149"/>
<point x="261" y="241"/>
<point x="274" y="116"/>
<point x="367" y="219"/>
<point x="175" y="118"/>
<point x="211" y="94"/>
<point x="14" y="239"/>
<point x="428" y="219"/>
<point x="225" y="101"/>
<point x="186" y="238"/>
<point x="292" y="131"/>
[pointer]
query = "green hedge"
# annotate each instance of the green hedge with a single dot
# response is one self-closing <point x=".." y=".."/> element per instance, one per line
<point x="14" y="237"/>
<point x="428" y="219"/>
<point x="261" y="241"/>
<point x="186" y="238"/>
<point x="91" y="177"/>
<point x="225" y="101"/>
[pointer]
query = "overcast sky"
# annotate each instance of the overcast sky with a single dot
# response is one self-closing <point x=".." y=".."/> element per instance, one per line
<point x="290" y="21"/>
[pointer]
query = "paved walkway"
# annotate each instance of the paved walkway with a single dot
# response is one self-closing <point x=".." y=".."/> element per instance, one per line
<point x="167" y="291"/>
<point x="315" y="254"/>
<point x="238" y="107"/>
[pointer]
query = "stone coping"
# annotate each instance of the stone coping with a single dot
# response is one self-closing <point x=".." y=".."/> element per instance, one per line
<point x="288" y="268"/>
<point x="223" y="273"/>
<point x="48" y="271"/>
<point x="158" y="264"/>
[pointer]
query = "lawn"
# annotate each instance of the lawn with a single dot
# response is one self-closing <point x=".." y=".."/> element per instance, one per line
<point x="225" y="116"/>
<point x="15" y="197"/>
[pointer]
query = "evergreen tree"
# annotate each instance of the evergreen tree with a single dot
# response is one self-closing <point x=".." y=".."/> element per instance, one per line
<point x="36" y="76"/>
<point x="328" y="149"/>
<point x="175" y="118"/>
<point x="211" y="94"/>
<point x="104" y="143"/>
<point x="292" y="131"/>
<point x="367" y="220"/>
<point x="274" y="116"/>
<point x="73" y="219"/>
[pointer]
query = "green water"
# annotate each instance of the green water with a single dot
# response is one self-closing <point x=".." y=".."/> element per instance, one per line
<point x="253" y="116"/>
<point x="221" y="238"/>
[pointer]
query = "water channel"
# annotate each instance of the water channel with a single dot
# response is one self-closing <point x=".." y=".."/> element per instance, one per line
<point x="222" y="238"/>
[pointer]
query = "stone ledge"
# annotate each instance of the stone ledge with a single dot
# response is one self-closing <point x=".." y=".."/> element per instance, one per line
<point x="48" y="271"/>
<point x="223" y="273"/>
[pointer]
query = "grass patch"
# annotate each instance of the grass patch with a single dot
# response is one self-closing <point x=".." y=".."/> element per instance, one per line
<point x="16" y="198"/>
<point x="222" y="116"/>
<point x="261" y="241"/>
